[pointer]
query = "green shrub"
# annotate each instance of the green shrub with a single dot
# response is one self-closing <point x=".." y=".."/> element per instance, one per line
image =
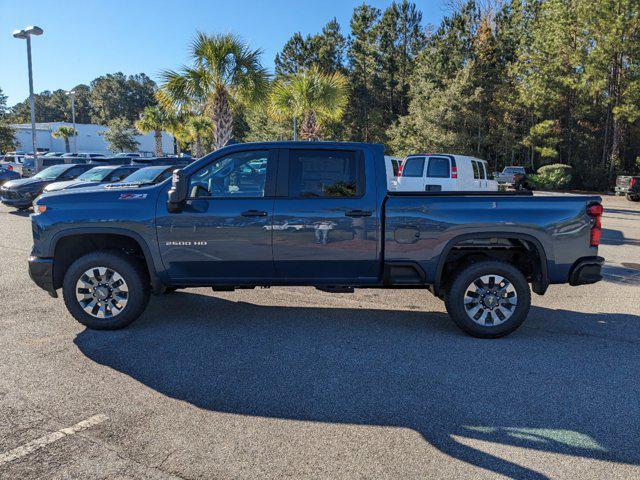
<point x="552" y="177"/>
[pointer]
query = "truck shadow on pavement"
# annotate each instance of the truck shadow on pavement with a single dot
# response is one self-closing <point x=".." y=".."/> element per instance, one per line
<point x="565" y="383"/>
<point x="616" y="237"/>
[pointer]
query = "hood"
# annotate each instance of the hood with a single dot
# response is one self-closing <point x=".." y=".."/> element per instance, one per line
<point x="25" y="184"/>
<point x="100" y="204"/>
<point x="55" y="186"/>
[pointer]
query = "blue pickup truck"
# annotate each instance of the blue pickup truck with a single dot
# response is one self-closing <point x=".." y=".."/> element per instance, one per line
<point x="312" y="214"/>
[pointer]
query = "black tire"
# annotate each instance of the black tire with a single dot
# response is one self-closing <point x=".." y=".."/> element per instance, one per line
<point x="129" y="268"/>
<point x="633" y="198"/>
<point x="455" y="299"/>
<point x="169" y="290"/>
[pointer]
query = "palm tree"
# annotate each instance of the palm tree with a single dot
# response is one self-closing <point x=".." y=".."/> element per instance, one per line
<point x="315" y="96"/>
<point x="153" y="119"/>
<point x="195" y="129"/>
<point x="225" y="70"/>
<point x="65" y="132"/>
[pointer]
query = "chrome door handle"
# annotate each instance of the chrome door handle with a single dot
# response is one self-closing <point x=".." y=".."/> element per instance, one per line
<point x="358" y="213"/>
<point x="254" y="213"/>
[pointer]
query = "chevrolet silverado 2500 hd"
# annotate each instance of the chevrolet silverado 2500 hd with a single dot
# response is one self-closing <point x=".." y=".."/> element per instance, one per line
<point x="309" y="214"/>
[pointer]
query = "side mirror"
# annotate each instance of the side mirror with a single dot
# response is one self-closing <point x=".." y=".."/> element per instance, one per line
<point x="177" y="192"/>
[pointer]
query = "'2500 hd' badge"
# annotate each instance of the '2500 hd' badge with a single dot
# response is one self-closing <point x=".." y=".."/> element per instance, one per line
<point x="132" y="196"/>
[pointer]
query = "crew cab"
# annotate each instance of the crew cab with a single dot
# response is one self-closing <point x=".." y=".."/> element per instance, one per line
<point x="308" y="214"/>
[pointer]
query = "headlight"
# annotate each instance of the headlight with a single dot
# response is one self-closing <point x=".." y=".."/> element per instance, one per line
<point x="39" y="208"/>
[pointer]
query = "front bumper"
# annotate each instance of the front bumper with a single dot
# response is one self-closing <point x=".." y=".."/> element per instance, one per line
<point x="41" y="272"/>
<point x="16" y="200"/>
<point x="586" y="271"/>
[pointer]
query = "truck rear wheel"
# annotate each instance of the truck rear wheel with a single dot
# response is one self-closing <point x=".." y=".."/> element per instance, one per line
<point x="488" y="299"/>
<point x="106" y="290"/>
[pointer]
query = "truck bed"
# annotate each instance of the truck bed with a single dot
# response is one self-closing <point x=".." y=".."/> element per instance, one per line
<point x="421" y="227"/>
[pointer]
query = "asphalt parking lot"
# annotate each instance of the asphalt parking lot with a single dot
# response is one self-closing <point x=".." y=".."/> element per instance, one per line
<point x="293" y="383"/>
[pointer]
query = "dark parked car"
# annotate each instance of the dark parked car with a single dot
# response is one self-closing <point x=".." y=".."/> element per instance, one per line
<point x="308" y="214"/>
<point x="95" y="176"/>
<point x="7" y="175"/>
<point x="21" y="193"/>
<point x="633" y="192"/>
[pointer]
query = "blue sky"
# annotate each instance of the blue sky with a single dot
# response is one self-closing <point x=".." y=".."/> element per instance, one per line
<point x="87" y="38"/>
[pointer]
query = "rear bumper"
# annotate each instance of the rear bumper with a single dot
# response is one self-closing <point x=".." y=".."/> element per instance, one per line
<point x="41" y="272"/>
<point x="586" y="271"/>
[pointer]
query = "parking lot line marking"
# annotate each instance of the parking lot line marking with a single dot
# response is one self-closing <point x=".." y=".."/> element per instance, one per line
<point x="38" y="443"/>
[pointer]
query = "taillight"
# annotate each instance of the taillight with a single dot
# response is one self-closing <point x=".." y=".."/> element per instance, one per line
<point x="400" y="170"/>
<point x="454" y="172"/>
<point x="632" y="182"/>
<point x="595" y="210"/>
<point x="9" y="167"/>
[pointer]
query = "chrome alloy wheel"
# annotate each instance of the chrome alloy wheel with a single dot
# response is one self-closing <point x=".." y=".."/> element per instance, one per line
<point x="490" y="300"/>
<point x="102" y="292"/>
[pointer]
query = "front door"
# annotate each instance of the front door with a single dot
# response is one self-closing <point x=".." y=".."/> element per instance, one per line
<point x="223" y="234"/>
<point x="325" y="225"/>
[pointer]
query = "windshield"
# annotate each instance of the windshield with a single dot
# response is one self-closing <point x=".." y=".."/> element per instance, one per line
<point x="148" y="175"/>
<point x="95" y="175"/>
<point x="51" y="173"/>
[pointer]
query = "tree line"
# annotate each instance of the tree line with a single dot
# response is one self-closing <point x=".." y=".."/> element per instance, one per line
<point x="526" y="82"/>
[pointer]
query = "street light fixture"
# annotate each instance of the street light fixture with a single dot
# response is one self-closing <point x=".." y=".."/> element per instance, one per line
<point x="25" y="34"/>
<point x="72" y="94"/>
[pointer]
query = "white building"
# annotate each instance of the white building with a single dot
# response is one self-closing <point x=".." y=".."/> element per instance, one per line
<point x="88" y="139"/>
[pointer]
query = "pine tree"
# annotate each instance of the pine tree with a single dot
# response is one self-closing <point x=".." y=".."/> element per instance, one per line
<point x="364" y="118"/>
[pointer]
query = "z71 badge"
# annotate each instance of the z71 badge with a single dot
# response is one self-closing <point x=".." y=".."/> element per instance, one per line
<point x="132" y="196"/>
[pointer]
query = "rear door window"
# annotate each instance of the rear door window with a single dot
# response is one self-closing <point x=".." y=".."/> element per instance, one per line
<point x="482" y="166"/>
<point x="476" y="170"/>
<point x="438" y="167"/>
<point x="413" y="167"/>
<point x="325" y="173"/>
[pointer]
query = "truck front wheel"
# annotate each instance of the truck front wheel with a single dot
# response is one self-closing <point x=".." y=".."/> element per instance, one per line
<point x="106" y="290"/>
<point x="488" y="299"/>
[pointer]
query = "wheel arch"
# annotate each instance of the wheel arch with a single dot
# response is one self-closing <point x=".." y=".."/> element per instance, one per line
<point x="540" y="284"/>
<point x="94" y="239"/>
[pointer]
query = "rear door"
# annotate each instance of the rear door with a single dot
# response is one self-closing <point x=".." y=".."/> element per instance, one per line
<point x="438" y="175"/>
<point x="325" y="225"/>
<point x="413" y="171"/>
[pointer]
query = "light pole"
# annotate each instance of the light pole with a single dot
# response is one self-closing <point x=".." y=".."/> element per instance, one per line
<point x="25" y="34"/>
<point x="73" y="120"/>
